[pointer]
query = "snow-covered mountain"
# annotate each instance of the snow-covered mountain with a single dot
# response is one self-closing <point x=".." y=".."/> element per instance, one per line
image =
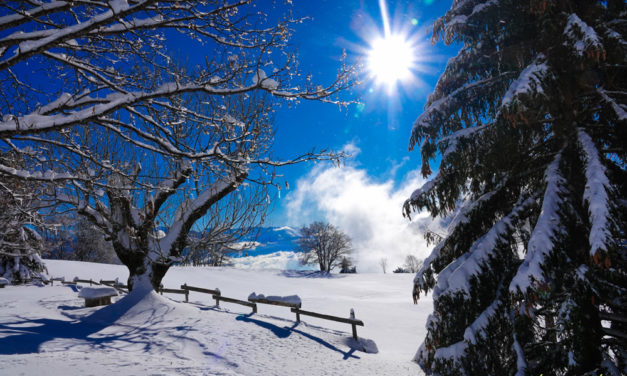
<point x="271" y="240"/>
<point x="273" y="248"/>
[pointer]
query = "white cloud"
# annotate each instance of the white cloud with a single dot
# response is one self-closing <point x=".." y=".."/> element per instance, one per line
<point x="367" y="210"/>
<point x="351" y="149"/>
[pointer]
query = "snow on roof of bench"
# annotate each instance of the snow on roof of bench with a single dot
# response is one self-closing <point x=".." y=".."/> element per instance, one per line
<point x="4" y="281"/>
<point x="291" y="299"/>
<point x="96" y="292"/>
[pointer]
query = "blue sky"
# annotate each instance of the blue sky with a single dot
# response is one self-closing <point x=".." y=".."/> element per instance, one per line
<point x="378" y="127"/>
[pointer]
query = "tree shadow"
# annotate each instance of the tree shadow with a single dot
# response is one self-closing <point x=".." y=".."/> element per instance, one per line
<point x="284" y="332"/>
<point x="100" y="330"/>
<point x="29" y="339"/>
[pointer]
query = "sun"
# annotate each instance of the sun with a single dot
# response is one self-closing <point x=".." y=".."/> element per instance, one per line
<point x="390" y="59"/>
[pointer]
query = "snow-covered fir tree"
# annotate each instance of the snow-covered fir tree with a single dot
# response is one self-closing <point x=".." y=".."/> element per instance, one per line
<point x="529" y="122"/>
<point x="20" y="243"/>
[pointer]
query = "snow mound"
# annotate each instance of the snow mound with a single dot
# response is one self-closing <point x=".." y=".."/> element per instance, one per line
<point x="97" y="292"/>
<point x="140" y="306"/>
<point x="362" y="344"/>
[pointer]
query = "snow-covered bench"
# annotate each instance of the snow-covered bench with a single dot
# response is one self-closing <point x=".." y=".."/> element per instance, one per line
<point x="3" y="282"/>
<point x="96" y="296"/>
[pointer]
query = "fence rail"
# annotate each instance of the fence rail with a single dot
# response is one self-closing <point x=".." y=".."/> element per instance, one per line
<point x="175" y="291"/>
<point x="91" y="282"/>
<point x="354" y="322"/>
<point x="217" y="296"/>
<point x="200" y="289"/>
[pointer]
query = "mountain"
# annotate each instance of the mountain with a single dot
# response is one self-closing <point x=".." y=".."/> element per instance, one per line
<point x="271" y="240"/>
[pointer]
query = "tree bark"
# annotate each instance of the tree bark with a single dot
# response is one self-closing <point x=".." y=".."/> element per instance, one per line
<point x="139" y="268"/>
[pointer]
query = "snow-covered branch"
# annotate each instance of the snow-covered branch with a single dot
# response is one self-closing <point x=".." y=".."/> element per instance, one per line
<point x="596" y="195"/>
<point x="548" y="226"/>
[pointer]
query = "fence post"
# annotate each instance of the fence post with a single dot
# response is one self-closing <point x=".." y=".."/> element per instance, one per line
<point x="352" y="316"/>
<point x="297" y="315"/>
<point x="186" y="296"/>
<point x="254" y="307"/>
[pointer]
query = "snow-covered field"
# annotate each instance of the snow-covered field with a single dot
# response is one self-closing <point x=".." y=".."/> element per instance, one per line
<point x="46" y="330"/>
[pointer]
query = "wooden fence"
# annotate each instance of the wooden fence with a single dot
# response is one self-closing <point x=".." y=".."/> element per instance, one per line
<point x="217" y="296"/>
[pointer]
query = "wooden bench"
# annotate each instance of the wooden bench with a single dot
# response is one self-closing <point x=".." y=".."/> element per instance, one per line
<point x="97" y="296"/>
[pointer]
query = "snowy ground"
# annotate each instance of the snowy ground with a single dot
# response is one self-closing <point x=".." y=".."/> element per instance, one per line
<point x="46" y="330"/>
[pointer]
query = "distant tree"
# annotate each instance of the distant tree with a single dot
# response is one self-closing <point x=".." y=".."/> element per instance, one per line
<point x="529" y="123"/>
<point x="384" y="264"/>
<point x="90" y="244"/>
<point x="400" y="269"/>
<point x="21" y="244"/>
<point x="412" y="264"/>
<point x="346" y="266"/>
<point x="323" y="244"/>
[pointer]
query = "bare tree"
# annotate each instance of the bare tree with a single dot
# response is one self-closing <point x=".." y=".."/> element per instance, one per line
<point x="412" y="264"/>
<point x="230" y="226"/>
<point x="383" y="262"/>
<point x="135" y="141"/>
<point x="323" y="244"/>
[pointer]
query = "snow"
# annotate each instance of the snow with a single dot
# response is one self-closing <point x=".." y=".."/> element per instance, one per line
<point x="546" y="229"/>
<point x="528" y="82"/>
<point x="589" y="38"/>
<point x="463" y="19"/>
<point x="96" y="292"/>
<point x="290" y="230"/>
<point x="451" y="352"/>
<point x="455" y="277"/>
<point x="618" y="108"/>
<point x="46" y="330"/>
<point x="118" y="6"/>
<point x="474" y="330"/>
<point x="262" y="78"/>
<point x="596" y="195"/>
<point x="521" y="364"/>
<point x="280" y="260"/>
<point x="4" y="281"/>
<point x="291" y="299"/>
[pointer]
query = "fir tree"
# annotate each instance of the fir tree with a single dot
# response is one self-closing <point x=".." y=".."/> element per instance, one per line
<point x="20" y="242"/>
<point x="529" y="122"/>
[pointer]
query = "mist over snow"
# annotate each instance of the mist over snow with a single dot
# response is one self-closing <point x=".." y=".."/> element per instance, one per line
<point x="281" y="260"/>
<point x="369" y="211"/>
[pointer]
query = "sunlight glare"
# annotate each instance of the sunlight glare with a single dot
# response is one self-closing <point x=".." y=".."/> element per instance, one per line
<point x="390" y="59"/>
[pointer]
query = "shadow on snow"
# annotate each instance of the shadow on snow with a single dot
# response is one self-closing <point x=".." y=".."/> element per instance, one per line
<point x="284" y="332"/>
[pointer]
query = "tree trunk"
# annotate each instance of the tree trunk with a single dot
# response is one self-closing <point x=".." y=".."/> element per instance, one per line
<point x="140" y="270"/>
